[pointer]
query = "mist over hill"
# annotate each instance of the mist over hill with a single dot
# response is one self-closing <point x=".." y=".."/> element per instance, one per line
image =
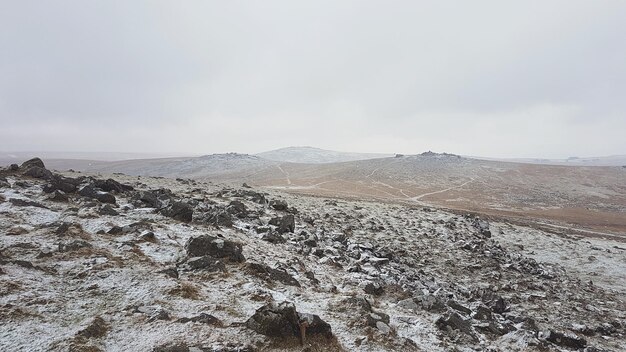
<point x="311" y="155"/>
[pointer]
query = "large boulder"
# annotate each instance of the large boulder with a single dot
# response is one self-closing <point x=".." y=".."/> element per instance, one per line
<point x="287" y="224"/>
<point x="237" y="208"/>
<point x="275" y="320"/>
<point x="284" y="224"/>
<point x="34" y="162"/>
<point x="38" y="172"/>
<point x="147" y="198"/>
<point x="214" y="247"/>
<point x="60" y="183"/>
<point x="179" y="211"/>
<point x="282" y="320"/>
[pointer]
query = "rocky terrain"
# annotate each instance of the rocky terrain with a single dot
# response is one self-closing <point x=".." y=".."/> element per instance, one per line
<point x="131" y="263"/>
<point x="590" y="200"/>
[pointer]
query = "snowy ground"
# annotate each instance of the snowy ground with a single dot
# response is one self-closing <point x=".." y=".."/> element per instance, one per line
<point x="423" y="259"/>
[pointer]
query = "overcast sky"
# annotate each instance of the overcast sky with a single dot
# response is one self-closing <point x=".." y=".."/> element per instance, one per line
<point x="491" y="78"/>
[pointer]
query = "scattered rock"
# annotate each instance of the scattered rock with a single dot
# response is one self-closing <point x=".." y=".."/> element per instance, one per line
<point x="16" y="231"/>
<point x="96" y="329"/>
<point x="205" y="263"/>
<point x="374" y="288"/>
<point x="454" y="321"/>
<point x="214" y="247"/>
<point x="282" y="320"/>
<point x="275" y="320"/>
<point x="147" y="198"/>
<point x="563" y="339"/>
<point x="372" y="319"/>
<point x="287" y="224"/>
<point x="237" y="208"/>
<point x="18" y="202"/>
<point x="110" y="185"/>
<point x="60" y="183"/>
<point x="106" y="209"/>
<point x="273" y="237"/>
<point x="73" y="246"/>
<point x="203" y="318"/>
<point x="38" y="172"/>
<point x="278" y="204"/>
<point x="171" y="272"/>
<point x="179" y="211"/>
<point x="90" y="192"/>
<point x="268" y="273"/>
<point x="59" y="196"/>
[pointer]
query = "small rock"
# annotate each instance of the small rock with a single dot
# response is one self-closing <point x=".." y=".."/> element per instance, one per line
<point x="373" y="318"/>
<point x="563" y="339"/>
<point x="456" y="322"/>
<point x="205" y="263"/>
<point x="16" y="231"/>
<point x="374" y="288"/>
<point x="171" y="272"/>
<point x="273" y="237"/>
<point x="26" y="203"/>
<point x="278" y="204"/>
<point x="107" y="209"/>
<point x="203" y="318"/>
<point x="179" y="211"/>
<point x="59" y="196"/>
<point x="287" y="224"/>
<point x="272" y="274"/>
<point x="98" y="328"/>
<point x="73" y="246"/>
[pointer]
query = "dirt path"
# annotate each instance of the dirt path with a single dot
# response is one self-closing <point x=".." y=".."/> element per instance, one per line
<point x="284" y="173"/>
<point x="416" y="198"/>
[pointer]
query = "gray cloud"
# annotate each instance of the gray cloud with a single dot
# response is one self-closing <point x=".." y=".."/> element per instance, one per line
<point x="485" y="78"/>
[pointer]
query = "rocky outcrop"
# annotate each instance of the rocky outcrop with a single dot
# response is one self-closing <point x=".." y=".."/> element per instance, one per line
<point x="282" y="320"/>
<point x="179" y="211"/>
<point x="214" y="247"/>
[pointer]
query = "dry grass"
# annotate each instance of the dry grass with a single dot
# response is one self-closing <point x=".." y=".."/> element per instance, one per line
<point x="186" y="290"/>
<point x="312" y="344"/>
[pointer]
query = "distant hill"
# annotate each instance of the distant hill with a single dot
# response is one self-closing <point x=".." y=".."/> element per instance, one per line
<point x="311" y="155"/>
<point x="202" y="166"/>
<point x="613" y="160"/>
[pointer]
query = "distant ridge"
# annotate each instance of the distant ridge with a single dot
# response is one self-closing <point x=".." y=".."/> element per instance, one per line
<point x="612" y="160"/>
<point x="312" y="155"/>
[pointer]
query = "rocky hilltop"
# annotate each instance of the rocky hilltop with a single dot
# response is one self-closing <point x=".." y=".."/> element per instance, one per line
<point x="126" y="263"/>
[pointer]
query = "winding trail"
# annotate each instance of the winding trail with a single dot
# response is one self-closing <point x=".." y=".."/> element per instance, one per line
<point x="416" y="198"/>
<point x="284" y="173"/>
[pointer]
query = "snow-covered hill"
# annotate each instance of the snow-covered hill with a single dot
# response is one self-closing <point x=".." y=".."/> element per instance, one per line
<point x="311" y="155"/>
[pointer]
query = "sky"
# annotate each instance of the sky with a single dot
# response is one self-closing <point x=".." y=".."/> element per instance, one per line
<point x="491" y="78"/>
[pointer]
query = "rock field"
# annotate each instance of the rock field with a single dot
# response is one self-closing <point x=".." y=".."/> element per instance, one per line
<point x="127" y="263"/>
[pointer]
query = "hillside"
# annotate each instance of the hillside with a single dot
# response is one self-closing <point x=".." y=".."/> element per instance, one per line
<point x="578" y="197"/>
<point x="193" y="167"/>
<point x="157" y="264"/>
<point x="310" y="155"/>
<point x="589" y="200"/>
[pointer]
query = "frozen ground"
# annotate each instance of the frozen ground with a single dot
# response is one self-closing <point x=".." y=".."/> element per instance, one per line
<point x="73" y="278"/>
